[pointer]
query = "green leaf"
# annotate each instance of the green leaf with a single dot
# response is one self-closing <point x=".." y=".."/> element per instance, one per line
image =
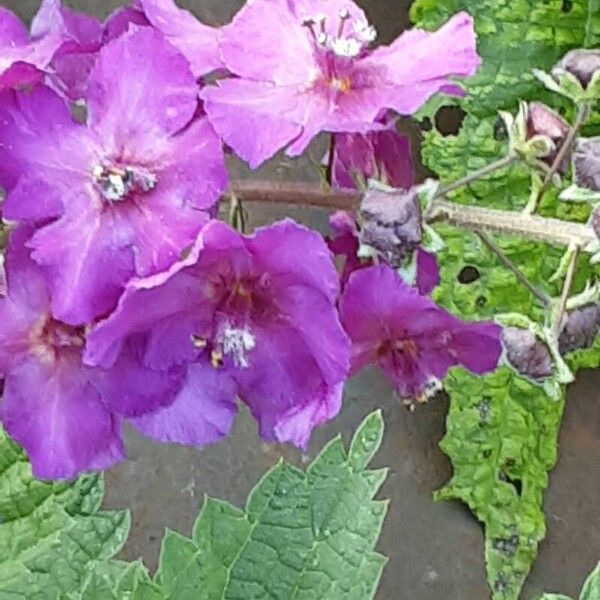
<point x="501" y="435"/>
<point x="591" y="588"/>
<point x="302" y="535"/>
<point x="590" y="591"/>
<point x="52" y="535"/>
<point x="503" y="417"/>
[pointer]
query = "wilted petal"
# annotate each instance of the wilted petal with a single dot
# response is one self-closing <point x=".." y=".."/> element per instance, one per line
<point x="526" y="353"/>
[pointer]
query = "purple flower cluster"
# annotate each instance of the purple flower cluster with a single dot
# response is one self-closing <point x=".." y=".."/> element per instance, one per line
<point x="124" y="300"/>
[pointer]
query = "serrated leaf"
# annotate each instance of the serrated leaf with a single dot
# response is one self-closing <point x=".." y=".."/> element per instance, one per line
<point x="51" y="534"/>
<point x="513" y="39"/>
<point x="302" y="536"/>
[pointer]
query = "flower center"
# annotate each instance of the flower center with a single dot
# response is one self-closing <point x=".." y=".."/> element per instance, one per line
<point x="49" y="337"/>
<point x="408" y="347"/>
<point x="117" y="183"/>
<point x="341" y="43"/>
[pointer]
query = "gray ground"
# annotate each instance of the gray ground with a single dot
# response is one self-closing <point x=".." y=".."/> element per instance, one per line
<point x="435" y="549"/>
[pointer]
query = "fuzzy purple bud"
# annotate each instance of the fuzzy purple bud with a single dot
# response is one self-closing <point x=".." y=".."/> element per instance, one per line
<point x="595" y="222"/>
<point x="586" y="163"/>
<point x="542" y="120"/>
<point x="580" y="330"/>
<point x="391" y="223"/>
<point x="527" y="354"/>
<point x="583" y="64"/>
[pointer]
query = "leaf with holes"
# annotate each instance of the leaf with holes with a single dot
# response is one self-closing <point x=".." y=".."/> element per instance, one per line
<point x="302" y="536"/>
<point x="52" y="535"/>
<point x="502" y="430"/>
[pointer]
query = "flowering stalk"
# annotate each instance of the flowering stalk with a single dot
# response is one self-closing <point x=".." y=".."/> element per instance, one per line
<point x="543" y="229"/>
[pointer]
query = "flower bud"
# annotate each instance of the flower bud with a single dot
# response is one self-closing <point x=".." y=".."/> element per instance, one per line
<point x="580" y="329"/>
<point x="595" y="222"/>
<point x="527" y="354"/>
<point x="583" y="64"/>
<point x="391" y="223"/>
<point x="543" y="121"/>
<point x="586" y="163"/>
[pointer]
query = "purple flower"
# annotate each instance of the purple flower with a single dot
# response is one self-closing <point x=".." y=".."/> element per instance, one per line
<point x="23" y="61"/>
<point x="381" y="155"/>
<point x="254" y="316"/>
<point x="312" y="70"/>
<point x="412" y="339"/>
<point x="123" y="196"/>
<point x="73" y="62"/>
<point x="57" y="408"/>
<point x="49" y="406"/>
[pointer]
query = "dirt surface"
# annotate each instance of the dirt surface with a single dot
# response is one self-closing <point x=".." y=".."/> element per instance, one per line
<point x="435" y="549"/>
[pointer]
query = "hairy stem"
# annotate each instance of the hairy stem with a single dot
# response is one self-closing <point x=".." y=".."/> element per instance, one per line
<point x="508" y="160"/>
<point x="552" y="231"/>
<point x="574" y="249"/>
<point x="489" y="242"/>
<point x="582" y="115"/>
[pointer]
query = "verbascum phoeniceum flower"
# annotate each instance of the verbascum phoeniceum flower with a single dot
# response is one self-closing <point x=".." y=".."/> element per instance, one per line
<point x="122" y="195"/>
<point x="307" y="66"/>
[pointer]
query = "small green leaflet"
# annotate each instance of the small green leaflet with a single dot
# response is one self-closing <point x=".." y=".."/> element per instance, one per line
<point x="502" y="431"/>
<point x="590" y="591"/>
<point x="302" y="536"/>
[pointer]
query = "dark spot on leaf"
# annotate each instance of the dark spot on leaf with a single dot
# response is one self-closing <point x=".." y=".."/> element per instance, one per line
<point x="468" y="275"/>
<point x="487" y="453"/>
<point x="567" y="6"/>
<point x="481" y="301"/>
<point x="501" y="584"/>
<point x="484" y="411"/>
<point x="449" y="119"/>
<point x="500" y="132"/>
<point x="426" y="124"/>
<point x="516" y="483"/>
<point x="507" y="546"/>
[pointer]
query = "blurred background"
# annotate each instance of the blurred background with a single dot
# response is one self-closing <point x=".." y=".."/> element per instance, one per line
<point x="436" y="549"/>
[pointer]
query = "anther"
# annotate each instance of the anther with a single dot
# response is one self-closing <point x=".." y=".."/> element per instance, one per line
<point x="310" y="25"/>
<point x="216" y="359"/>
<point x="344" y="16"/>
<point x="199" y="342"/>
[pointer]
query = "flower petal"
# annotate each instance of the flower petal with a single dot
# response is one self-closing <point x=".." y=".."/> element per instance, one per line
<point x="196" y="41"/>
<point x="202" y="413"/>
<point x="121" y="108"/>
<point x="87" y="261"/>
<point x="58" y="417"/>
<point x="44" y="154"/>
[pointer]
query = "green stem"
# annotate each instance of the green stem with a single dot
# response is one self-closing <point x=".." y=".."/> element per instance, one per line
<point x="489" y="242"/>
<point x="504" y="162"/>
<point x="566" y="291"/>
